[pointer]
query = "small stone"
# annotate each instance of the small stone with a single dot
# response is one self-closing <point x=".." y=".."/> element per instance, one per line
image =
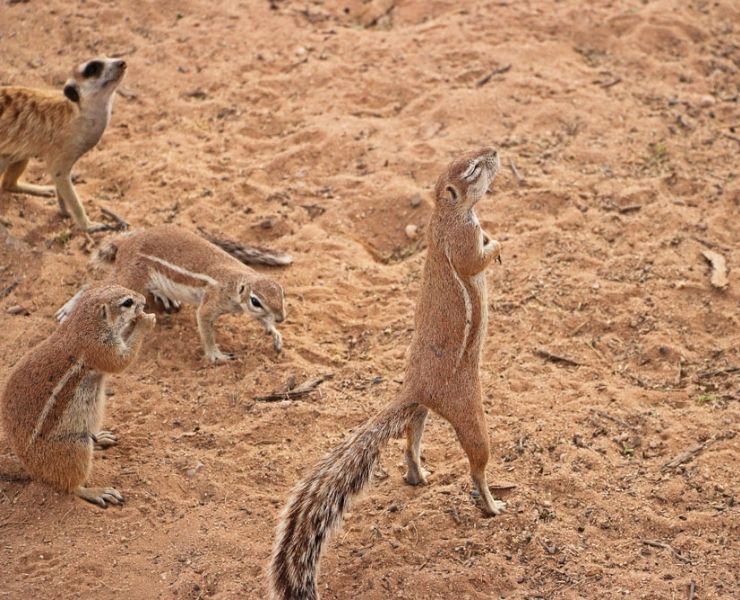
<point x="415" y="201"/>
<point x="266" y="224"/>
<point x="17" y="309"/>
<point x="412" y="232"/>
<point x="707" y="101"/>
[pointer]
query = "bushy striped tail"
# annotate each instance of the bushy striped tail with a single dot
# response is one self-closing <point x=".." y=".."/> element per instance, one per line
<point x="249" y="255"/>
<point x="318" y="503"/>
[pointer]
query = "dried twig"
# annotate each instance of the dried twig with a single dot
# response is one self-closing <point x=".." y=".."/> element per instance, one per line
<point x="249" y="255"/>
<point x="692" y="590"/>
<point x="519" y="179"/>
<point x="630" y="208"/>
<point x="5" y="291"/>
<point x="607" y="416"/>
<point x="691" y="453"/>
<point x="556" y="358"/>
<point x="497" y="71"/>
<point x="719" y="268"/>
<point x="725" y="371"/>
<point x="121" y="223"/>
<point x="611" y="83"/>
<point x="296" y="392"/>
<point x="674" y="552"/>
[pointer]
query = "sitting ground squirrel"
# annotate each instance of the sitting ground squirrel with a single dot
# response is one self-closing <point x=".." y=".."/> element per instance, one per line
<point x="52" y="406"/>
<point x="442" y="374"/>
<point x="58" y="129"/>
<point x="171" y="266"/>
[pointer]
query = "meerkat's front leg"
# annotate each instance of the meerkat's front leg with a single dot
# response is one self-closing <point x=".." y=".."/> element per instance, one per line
<point x="11" y="182"/>
<point x="70" y="203"/>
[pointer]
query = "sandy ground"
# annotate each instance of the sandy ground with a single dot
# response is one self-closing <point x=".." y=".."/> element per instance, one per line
<point x="311" y="127"/>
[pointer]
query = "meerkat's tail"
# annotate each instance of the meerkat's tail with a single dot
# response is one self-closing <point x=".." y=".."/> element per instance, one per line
<point x="320" y="500"/>
<point x="249" y="255"/>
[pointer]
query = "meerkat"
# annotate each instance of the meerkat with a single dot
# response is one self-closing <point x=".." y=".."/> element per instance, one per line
<point x="442" y="374"/>
<point x="58" y="129"/>
<point x="53" y="403"/>
<point x="172" y="266"/>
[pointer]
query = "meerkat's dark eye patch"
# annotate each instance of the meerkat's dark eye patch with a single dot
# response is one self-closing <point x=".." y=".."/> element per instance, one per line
<point x="92" y="69"/>
<point x="127" y="303"/>
<point x="71" y="92"/>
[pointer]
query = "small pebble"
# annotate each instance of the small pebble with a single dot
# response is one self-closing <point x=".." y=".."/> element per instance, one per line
<point x="412" y="232"/>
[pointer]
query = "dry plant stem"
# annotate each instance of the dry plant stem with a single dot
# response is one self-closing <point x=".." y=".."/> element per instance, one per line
<point x="519" y="179"/>
<point x="689" y="454"/>
<point x="297" y="392"/>
<point x="674" y="552"/>
<point x="556" y="358"/>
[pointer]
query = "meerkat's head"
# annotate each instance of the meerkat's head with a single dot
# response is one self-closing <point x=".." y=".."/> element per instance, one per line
<point x="264" y="299"/>
<point x="107" y="315"/>
<point x="467" y="179"/>
<point x="95" y="80"/>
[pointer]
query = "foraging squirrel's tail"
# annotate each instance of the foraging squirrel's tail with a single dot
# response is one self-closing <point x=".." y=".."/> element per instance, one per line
<point x="320" y="500"/>
<point x="249" y="255"/>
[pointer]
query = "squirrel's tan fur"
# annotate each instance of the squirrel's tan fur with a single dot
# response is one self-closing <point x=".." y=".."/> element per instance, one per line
<point x="58" y="128"/>
<point x="52" y="405"/>
<point x="442" y="374"/>
<point x="171" y="266"/>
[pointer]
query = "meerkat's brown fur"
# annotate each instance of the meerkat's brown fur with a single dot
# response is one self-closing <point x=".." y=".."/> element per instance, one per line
<point x="52" y="405"/>
<point x="58" y="128"/>
<point x="171" y="266"/>
<point x="442" y="374"/>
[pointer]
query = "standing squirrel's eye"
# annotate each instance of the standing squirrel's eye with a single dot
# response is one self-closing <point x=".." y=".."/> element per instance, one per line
<point x="255" y="302"/>
<point x="127" y="303"/>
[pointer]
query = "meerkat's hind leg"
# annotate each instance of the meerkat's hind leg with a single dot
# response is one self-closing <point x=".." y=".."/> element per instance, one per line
<point x="70" y="203"/>
<point x="103" y="440"/>
<point x="415" y="473"/>
<point x="11" y="182"/>
<point x="102" y="496"/>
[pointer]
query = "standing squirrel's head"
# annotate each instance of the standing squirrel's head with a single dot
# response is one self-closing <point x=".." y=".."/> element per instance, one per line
<point x="95" y="80"/>
<point x="467" y="179"/>
<point x="104" y="319"/>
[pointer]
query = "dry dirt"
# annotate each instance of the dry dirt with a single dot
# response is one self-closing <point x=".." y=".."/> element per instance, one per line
<point x="311" y="127"/>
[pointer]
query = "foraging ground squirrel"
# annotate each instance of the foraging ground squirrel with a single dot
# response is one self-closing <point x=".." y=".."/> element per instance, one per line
<point x="442" y="374"/>
<point x="58" y="129"/>
<point x="173" y="266"/>
<point x="52" y="406"/>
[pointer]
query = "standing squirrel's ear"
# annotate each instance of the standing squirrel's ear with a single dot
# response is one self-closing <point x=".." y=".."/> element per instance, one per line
<point x="72" y="91"/>
<point x="452" y="194"/>
<point x="104" y="313"/>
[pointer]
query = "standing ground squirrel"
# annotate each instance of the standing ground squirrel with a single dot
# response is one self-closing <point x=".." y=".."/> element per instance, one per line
<point x="442" y="374"/>
<point x="173" y="266"/>
<point x="53" y="403"/>
<point x="58" y="129"/>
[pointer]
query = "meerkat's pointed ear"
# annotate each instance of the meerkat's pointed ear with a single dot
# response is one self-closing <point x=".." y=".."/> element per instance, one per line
<point x="72" y="91"/>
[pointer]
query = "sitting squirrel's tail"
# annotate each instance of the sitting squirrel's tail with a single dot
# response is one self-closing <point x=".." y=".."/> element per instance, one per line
<point x="320" y="500"/>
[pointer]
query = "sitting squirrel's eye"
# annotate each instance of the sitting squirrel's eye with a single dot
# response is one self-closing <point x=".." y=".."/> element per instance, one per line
<point x="92" y="69"/>
<point x="255" y="302"/>
<point x="127" y="303"/>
